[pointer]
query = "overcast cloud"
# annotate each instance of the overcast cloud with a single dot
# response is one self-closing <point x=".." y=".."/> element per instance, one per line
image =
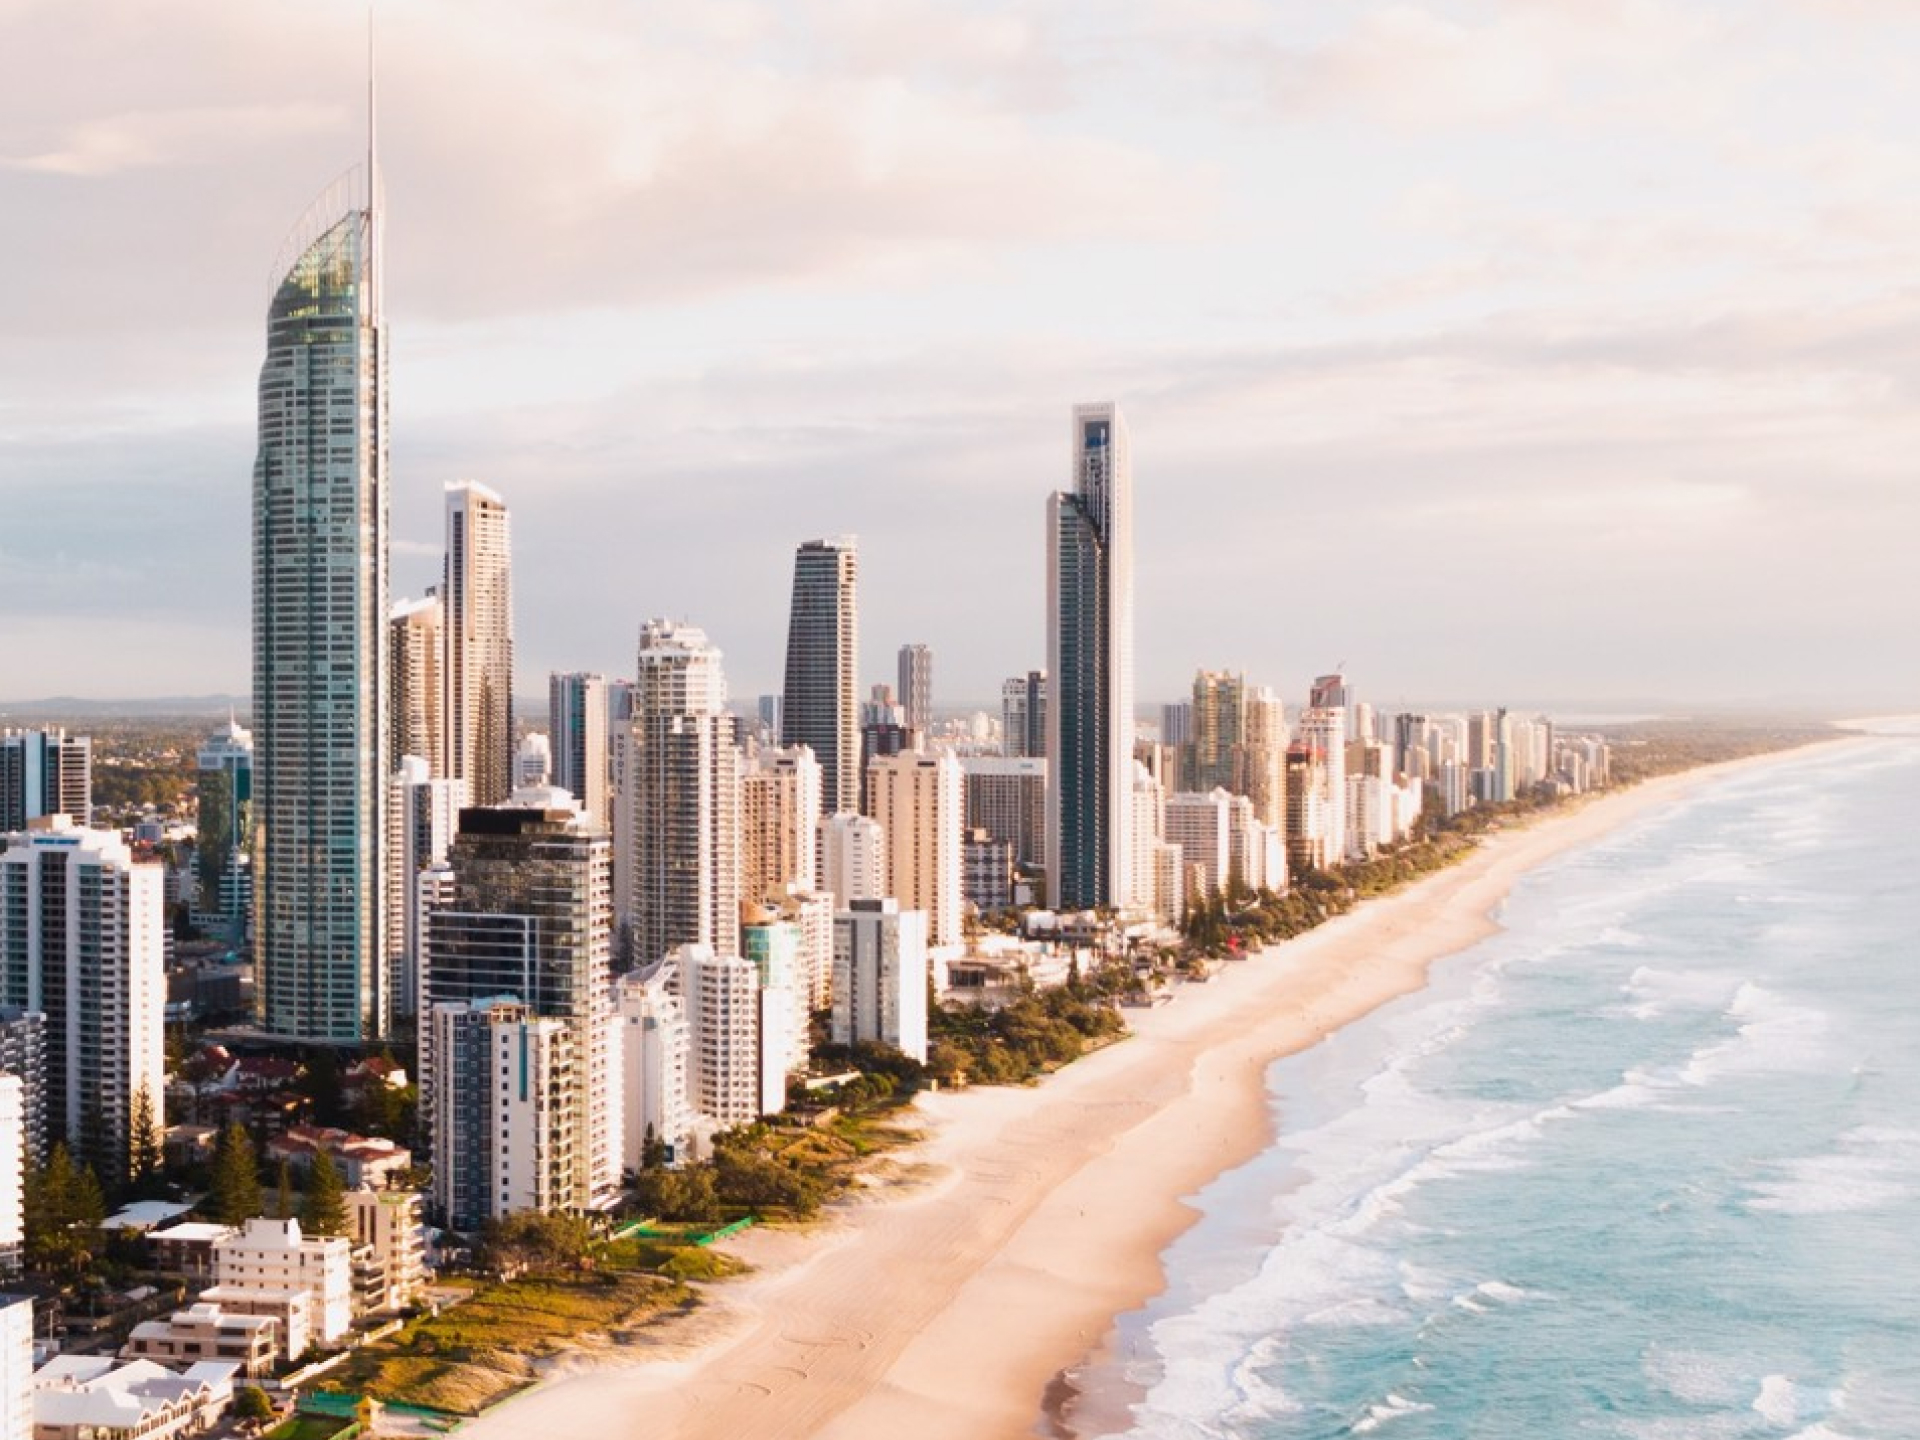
<point x="1548" y="348"/>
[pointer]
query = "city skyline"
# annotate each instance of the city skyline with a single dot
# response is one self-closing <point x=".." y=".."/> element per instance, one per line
<point x="1579" y="429"/>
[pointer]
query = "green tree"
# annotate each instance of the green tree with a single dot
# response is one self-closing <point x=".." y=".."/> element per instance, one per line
<point x="321" y="1085"/>
<point x="323" y="1209"/>
<point x="233" y="1197"/>
<point x="250" y="1402"/>
<point x="283" y="1201"/>
<point x="146" y="1162"/>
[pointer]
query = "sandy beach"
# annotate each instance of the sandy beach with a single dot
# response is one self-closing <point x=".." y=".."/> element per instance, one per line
<point x="949" y="1308"/>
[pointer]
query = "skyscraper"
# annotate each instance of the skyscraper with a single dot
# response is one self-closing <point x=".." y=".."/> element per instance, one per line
<point x="44" y="772"/>
<point x="684" y="769"/>
<point x="1023" y="715"/>
<point x="478" y="595"/>
<point x="821" y="706"/>
<point x="919" y="801"/>
<point x="577" y="715"/>
<point x="1090" y="665"/>
<point x="320" y="638"/>
<point x="418" y="718"/>
<point x="531" y="918"/>
<point x="916" y="685"/>
<point x="224" y="790"/>
<point x="82" y="941"/>
<point x="1218" y="727"/>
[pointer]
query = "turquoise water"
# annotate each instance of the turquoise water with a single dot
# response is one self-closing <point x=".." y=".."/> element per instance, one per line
<point x="1647" y="1164"/>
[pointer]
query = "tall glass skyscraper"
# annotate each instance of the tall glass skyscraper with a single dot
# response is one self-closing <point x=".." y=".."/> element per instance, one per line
<point x="478" y="595"/>
<point x="1090" y="665"/>
<point x="821" y="706"/>
<point x="320" y="635"/>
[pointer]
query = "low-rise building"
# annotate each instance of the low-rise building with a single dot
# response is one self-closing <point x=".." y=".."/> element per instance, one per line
<point x="206" y="1332"/>
<point x="361" y="1161"/>
<point x="273" y="1255"/>
<point x="186" y="1249"/>
<point x="290" y="1310"/>
<point x="88" y="1397"/>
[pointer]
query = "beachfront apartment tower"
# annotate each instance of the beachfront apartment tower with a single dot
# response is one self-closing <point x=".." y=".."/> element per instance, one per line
<point x="44" y="772"/>
<point x="880" y="973"/>
<point x="820" y="706"/>
<point x="1090" y="665"/>
<point x="919" y="802"/>
<point x="504" y="1111"/>
<point x="82" y="941"/>
<point x="722" y="998"/>
<point x="321" y="675"/>
<point x="530" y="917"/>
<point x="477" y="590"/>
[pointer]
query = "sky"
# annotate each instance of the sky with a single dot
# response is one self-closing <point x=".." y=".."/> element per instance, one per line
<point x="1549" y="350"/>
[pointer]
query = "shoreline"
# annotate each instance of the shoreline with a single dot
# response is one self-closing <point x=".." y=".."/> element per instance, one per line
<point x="966" y="1305"/>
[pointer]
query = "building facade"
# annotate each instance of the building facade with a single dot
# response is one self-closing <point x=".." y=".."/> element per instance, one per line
<point x="820" y="706"/>
<point x="919" y="802"/>
<point x="530" y="917"/>
<point x="321" y="672"/>
<point x="684" y="770"/>
<point x="578" y="711"/>
<point x="83" y="942"/>
<point x="44" y="772"/>
<point x="477" y="590"/>
<point x="1090" y="664"/>
<point x="880" y="976"/>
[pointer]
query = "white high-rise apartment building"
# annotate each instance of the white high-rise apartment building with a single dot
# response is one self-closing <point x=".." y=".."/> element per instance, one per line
<point x="577" y="717"/>
<point x="722" y="998"/>
<point x="654" y="1055"/>
<point x="418" y="629"/>
<point x="16" y="1367"/>
<point x="779" y="823"/>
<point x="916" y="686"/>
<point x="423" y="814"/>
<point x="322" y="699"/>
<point x="478" y="594"/>
<point x="820" y="706"/>
<point x="1202" y="826"/>
<point x="1090" y="665"/>
<point x="880" y="973"/>
<point x="684" y="770"/>
<point x="1323" y="730"/>
<point x="853" y="857"/>
<point x="1006" y="795"/>
<point x="506" y="1108"/>
<point x="1262" y="773"/>
<point x="83" y="941"/>
<point x="919" y="802"/>
<point x="13" y="1155"/>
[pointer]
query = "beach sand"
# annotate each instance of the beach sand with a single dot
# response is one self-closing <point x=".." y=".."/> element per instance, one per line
<point x="951" y="1308"/>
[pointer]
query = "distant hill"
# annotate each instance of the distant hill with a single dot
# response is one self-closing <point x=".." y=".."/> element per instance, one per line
<point x="74" y="707"/>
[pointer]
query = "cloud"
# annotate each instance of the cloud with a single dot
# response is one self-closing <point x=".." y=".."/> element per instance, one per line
<point x="204" y="135"/>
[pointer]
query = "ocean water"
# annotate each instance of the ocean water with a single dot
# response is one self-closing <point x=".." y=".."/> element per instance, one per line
<point x="1647" y="1164"/>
